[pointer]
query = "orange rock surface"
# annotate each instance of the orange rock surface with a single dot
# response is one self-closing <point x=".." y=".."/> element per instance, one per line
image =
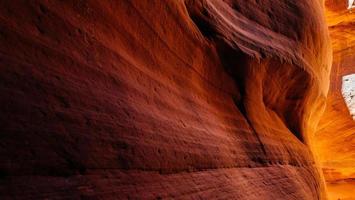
<point x="149" y="99"/>
<point x="335" y="139"/>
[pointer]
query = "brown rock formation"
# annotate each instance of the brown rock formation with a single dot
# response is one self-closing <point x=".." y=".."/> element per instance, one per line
<point x="335" y="139"/>
<point x="148" y="99"/>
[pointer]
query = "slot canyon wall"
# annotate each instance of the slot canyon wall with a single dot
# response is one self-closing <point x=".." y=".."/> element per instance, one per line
<point x="139" y="99"/>
<point x="335" y="140"/>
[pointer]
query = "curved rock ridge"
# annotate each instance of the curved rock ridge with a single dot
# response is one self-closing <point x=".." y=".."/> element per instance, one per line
<point x="141" y="99"/>
<point x="334" y="140"/>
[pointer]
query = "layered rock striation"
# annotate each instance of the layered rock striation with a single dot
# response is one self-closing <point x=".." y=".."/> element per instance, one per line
<point x="161" y="100"/>
<point x="334" y="140"/>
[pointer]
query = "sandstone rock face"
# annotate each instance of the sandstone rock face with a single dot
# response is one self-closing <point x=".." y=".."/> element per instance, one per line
<point x="335" y="139"/>
<point x="142" y="99"/>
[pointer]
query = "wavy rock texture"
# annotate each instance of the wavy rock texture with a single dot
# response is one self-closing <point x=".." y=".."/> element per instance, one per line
<point x="335" y="139"/>
<point x="149" y="100"/>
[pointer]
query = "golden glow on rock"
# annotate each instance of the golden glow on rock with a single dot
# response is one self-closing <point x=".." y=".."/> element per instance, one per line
<point x="334" y="141"/>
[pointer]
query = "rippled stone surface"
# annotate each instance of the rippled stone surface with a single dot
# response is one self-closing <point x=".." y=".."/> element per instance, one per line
<point x="335" y="139"/>
<point x="142" y="99"/>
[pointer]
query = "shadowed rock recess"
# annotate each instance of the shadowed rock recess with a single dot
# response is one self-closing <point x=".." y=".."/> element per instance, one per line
<point x="152" y="99"/>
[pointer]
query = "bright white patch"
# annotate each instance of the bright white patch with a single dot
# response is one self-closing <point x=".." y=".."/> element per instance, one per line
<point x="351" y="4"/>
<point x="348" y="91"/>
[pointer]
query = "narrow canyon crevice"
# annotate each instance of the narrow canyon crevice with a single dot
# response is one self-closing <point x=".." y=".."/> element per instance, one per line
<point x="334" y="139"/>
<point x="142" y="99"/>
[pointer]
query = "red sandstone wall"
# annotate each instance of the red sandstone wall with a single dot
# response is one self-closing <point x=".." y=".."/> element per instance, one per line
<point x="160" y="100"/>
<point x="334" y="140"/>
